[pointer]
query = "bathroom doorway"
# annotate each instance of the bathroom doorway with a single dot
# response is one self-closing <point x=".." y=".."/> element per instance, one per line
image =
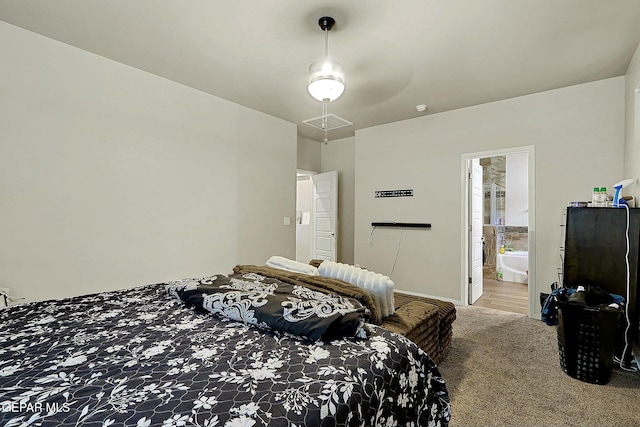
<point x="508" y="230"/>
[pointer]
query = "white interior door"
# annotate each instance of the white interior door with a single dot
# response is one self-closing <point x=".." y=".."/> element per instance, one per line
<point x="475" y="230"/>
<point x="325" y="216"/>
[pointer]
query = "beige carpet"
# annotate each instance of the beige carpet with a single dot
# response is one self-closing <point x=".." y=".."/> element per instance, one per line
<point x="503" y="370"/>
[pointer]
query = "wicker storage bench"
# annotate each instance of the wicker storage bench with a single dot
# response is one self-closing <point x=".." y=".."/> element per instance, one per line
<point x="432" y="335"/>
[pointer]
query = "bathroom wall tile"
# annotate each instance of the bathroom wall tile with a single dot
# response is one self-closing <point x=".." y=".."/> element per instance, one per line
<point x="490" y="242"/>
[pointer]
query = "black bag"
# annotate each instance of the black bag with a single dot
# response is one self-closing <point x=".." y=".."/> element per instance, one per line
<point x="549" y="308"/>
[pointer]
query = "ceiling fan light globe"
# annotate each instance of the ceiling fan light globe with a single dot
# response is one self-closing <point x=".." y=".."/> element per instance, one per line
<point x="326" y="88"/>
<point x="326" y="79"/>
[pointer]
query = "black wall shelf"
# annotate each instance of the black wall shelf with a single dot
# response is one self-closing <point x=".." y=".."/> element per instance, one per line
<point x="401" y="224"/>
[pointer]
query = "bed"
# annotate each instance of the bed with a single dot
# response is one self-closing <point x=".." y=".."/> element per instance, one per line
<point x="155" y="355"/>
<point x="428" y="322"/>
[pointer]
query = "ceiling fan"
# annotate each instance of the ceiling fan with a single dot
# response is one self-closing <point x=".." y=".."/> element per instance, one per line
<point x="326" y="84"/>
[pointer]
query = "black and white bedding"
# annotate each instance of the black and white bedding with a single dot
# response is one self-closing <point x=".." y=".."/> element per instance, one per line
<point x="142" y="357"/>
<point x="270" y="303"/>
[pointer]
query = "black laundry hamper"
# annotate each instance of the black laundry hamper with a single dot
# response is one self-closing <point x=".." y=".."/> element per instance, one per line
<point x="586" y="341"/>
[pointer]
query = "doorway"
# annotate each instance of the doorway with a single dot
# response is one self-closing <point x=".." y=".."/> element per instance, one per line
<point x="507" y="230"/>
<point x="304" y="203"/>
<point x="316" y="216"/>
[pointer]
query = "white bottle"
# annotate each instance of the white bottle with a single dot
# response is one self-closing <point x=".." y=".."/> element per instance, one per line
<point x="599" y="197"/>
<point x="603" y="197"/>
<point x="595" y="197"/>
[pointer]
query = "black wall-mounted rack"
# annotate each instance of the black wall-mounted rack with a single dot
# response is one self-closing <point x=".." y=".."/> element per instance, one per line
<point x="401" y="224"/>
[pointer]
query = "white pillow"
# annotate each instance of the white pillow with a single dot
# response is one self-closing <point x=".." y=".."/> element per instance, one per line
<point x="286" y="264"/>
<point x="379" y="286"/>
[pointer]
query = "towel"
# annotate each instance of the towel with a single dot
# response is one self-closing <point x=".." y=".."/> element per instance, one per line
<point x="379" y="286"/>
<point x="283" y="263"/>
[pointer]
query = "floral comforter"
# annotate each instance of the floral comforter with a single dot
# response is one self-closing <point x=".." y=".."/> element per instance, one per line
<point x="271" y="303"/>
<point x="140" y="357"/>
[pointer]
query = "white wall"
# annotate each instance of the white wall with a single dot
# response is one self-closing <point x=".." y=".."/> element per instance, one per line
<point x="339" y="155"/>
<point x="517" y="190"/>
<point x="632" y="128"/>
<point x="111" y="177"/>
<point x="578" y="134"/>
<point x="309" y="155"/>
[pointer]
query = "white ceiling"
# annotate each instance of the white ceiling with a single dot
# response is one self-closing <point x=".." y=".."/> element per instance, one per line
<point x="447" y="54"/>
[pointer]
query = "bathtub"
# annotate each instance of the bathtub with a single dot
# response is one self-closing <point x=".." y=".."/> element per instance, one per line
<point x="514" y="265"/>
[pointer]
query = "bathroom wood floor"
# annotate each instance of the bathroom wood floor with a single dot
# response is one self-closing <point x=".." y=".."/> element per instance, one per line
<point x="505" y="296"/>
